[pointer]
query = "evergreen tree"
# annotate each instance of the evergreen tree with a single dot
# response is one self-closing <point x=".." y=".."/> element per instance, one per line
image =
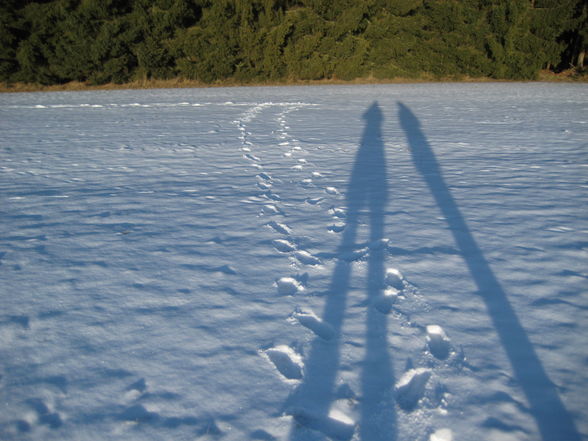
<point x="511" y="45"/>
<point x="208" y="50"/>
<point x="551" y="19"/>
<point x="10" y="35"/>
<point x="36" y="50"/>
<point x="575" y="38"/>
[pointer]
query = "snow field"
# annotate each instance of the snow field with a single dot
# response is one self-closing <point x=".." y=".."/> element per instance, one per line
<point x="206" y="264"/>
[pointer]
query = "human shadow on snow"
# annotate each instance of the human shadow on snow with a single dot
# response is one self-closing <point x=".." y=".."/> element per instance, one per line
<point x="553" y="419"/>
<point x="311" y="402"/>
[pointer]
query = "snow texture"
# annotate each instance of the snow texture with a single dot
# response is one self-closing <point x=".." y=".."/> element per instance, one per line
<point x="374" y="263"/>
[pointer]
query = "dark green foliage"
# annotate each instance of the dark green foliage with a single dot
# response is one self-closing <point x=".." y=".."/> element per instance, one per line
<point x="10" y="34"/>
<point x="100" y="41"/>
<point x="575" y="38"/>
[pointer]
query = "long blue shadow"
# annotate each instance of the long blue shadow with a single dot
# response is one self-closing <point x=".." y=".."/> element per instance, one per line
<point x="554" y="421"/>
<point x="310" y="403"/>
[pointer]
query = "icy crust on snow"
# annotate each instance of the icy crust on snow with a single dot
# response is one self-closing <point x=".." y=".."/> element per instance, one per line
<point x="299" y="264"/>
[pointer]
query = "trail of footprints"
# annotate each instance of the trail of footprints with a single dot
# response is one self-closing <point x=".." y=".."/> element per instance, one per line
<point x="418" y="387"/>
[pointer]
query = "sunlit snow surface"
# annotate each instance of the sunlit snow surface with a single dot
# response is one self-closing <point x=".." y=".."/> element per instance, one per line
<point x="375" y="263"/>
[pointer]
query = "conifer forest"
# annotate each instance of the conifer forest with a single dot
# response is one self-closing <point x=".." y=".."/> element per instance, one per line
<point x="251" y="41"/>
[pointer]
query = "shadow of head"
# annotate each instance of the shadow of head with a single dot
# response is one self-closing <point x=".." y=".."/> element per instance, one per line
<point x="408" y="120"/>
<point x="373" y="114"/>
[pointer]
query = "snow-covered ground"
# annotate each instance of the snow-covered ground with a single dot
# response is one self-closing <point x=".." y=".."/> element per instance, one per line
<point x="375" y="263"/>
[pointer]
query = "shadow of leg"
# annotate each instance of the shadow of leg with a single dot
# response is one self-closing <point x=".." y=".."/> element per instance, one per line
<point x="554" y="421"/>
<point x="310" y="404"/>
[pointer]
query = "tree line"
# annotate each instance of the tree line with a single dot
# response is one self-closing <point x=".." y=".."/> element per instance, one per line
<point x="102" y="41"/>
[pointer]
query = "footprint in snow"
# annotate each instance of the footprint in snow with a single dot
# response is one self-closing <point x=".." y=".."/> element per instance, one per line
<point x="271" y="209"/>
<point x="438" y="342"/>
<point x="411" y="388"/>
<point x="288" y="286"/>
<point x="306" y="258"/>
<point x="386" y="300"/>
<point x="262" y="435"/>
<point x="264" y="176"/>
<point x="136" y="389"/>
<point x="337" y="425"/>
<point x="309" y="320"/>
<point x="286" y="361"/>
<point x="264" y="185"/>
<point x="274" y="197"/>
<point x="338" y="213"/>
<point x="336" y="228"/>
<point x="331" y="190"/>
<point x="280" y="228"/>
<point x="394" y="278"/>
<point x="441" y="435"/>
<point x="354" y="255"/>
<point x="313" y="201"/>
<point x="45" y="414"/>
<point x="283" y="245"/>
<point x="379" y="244"/>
